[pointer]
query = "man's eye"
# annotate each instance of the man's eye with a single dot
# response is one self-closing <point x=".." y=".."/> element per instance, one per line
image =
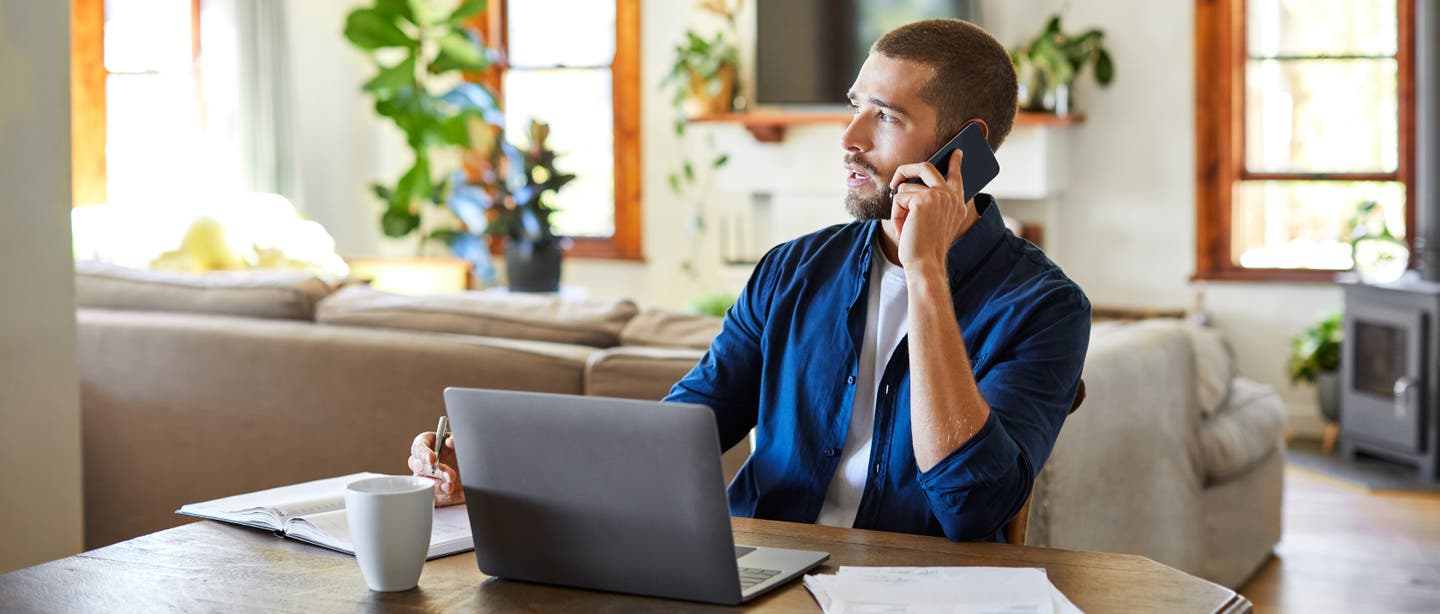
<point x="854" y="108"/>
<point x="886" y="117"/>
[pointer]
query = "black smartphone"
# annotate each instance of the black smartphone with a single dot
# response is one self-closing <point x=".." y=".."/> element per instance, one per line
<point x="977" y="168"/>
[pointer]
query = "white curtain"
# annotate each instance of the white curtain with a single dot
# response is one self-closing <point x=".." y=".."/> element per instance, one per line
<point x="245" y="81"/>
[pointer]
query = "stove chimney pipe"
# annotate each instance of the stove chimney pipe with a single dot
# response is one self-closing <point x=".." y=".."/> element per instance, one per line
<point x="1426" y="198"/>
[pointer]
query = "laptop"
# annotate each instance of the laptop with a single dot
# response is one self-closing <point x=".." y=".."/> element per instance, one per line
<point x="607" y="494"/>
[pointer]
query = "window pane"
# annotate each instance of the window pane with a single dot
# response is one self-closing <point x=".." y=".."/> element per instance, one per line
<point x="1321" y="116"/>
<point x="547" y="33"/>
<point x="1305" y="224"/>
<point x="147" y="35"/>
<point x="152" y="137"/>
<point x="577" y="105"/>
<point x="1321" y="27"/>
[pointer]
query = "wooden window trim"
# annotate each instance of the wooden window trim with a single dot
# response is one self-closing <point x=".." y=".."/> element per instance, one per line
<point x="626" y="243"/>
<point x="1220" y="139"/>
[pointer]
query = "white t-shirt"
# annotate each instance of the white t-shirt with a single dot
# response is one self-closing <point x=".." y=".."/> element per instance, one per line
<point x="885" y="326"/>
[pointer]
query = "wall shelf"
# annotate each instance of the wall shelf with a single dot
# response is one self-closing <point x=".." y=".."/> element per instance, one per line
<point x="770" y="126"/>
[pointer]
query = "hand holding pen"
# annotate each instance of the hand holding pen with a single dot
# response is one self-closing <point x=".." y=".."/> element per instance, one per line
<point x="432" y="455"/>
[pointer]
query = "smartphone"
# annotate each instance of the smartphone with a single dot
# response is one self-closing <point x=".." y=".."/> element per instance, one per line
<point x="977" y="168"/>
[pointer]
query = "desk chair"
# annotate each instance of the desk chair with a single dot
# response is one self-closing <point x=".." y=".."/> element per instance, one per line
<point x="1015" y="529"/>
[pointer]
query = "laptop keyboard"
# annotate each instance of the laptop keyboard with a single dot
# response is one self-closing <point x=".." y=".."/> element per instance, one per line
<point x="750" y="576"/>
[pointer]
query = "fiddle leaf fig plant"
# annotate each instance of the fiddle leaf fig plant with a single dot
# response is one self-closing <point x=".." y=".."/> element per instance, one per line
<point x="420" y="48"/>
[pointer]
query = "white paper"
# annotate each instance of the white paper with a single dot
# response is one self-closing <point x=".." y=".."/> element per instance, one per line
<point x="948" y="590"/>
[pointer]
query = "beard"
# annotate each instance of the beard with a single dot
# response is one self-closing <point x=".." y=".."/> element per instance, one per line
<point x="876" y="206"/>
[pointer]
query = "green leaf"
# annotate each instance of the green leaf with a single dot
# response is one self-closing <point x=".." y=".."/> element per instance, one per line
<point x="689" y="171"/>
<point x="1052" y="27"/>
<point x="368" y="29"/>
<point x="674" y="183"/>
<point x="720" y="161"/>
<point x="1104" y="68"/>
<point x="393" y="78"/>
<point x="467" y="9"/>
<point x="456" y="130"/>
<point x="448" y="235"/>
<point x="458" y="52"/>
<point x="414" y="184"/>
<point x="680" y="127"/>
<point x="380" y="191"/>
<point x="398" y="222"/>
<point x="393" y="9"/>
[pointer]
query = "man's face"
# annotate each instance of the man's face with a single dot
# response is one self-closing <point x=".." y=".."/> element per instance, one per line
<point x="892" y="126"/>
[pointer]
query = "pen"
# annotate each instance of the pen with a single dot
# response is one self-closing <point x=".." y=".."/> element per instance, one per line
<point x="441" y="430"/>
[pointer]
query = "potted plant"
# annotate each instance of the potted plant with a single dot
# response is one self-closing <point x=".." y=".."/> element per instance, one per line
<point x="704" y="71"/>
<point x="421" y="51"/>
<point x="521" y="216"/>
<point x="1315" y="358"/>
<point x="1379" y="256"/>
<point x="1049" y="63"/>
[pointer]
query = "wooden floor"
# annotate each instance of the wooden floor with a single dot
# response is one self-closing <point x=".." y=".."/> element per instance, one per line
<point x="1344" y="549"/>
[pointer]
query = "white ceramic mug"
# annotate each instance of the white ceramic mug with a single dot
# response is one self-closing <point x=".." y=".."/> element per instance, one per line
<point x="389" y="519"/>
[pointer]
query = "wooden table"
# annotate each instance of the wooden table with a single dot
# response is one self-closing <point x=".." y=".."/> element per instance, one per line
<point x="209" y="566"/>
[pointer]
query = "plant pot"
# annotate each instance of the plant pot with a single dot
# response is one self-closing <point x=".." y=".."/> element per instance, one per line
<point x="1041" y="96"/>
<point x="1327" y="389"/>
<point x="532" y="268"/>
<point x="700" y="100"/>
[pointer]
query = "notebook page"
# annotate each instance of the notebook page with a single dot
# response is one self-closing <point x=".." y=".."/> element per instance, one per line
<point x="270" y="508"/>
<point x="449" y="531"/>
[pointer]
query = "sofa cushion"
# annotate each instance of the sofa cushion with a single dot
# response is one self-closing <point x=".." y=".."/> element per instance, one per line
<point x="671" y="329"/>
<point x="514" y="316"/>
<point x="637" y="372"/>
<point x="258" y="294"/>
<point x="1246" y="430"/>
<point x="1214" y="368"/>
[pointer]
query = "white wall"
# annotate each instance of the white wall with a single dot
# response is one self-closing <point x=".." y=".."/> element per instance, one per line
<point x="1124" y="229"/>
<point x="40" y="505"/>
<point x="340" y="136"/>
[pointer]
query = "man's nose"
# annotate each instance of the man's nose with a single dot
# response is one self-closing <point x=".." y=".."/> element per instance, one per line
<point x="856" y="137"/>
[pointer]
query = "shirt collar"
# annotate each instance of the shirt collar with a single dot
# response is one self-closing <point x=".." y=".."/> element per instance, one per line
<point x="967" y="251"/>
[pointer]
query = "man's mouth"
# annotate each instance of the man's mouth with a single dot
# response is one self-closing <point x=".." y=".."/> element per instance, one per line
<point x="856" y="177"/>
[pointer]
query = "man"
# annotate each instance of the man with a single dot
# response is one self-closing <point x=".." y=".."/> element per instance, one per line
<point x="909" y="371"/>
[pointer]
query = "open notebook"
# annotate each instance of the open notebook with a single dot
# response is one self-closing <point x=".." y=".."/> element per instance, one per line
<point x="314" y="512"/>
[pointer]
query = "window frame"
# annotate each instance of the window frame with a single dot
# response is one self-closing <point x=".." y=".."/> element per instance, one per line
<point x="1220" y="55"/>
<point x="88" y="111"/>
<point x="625" y="243"/>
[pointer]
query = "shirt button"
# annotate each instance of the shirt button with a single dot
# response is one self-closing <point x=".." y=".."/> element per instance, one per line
<point x="877" y="468"/>
<point x="850" y="380"/>
<point x="829" y="451"/>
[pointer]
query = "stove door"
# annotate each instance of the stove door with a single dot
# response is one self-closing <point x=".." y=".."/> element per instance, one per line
<point x="1382" y="376"/>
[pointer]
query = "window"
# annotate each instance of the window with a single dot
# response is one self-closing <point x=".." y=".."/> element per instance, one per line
<point x="581" y="75"/>
<point x="136" y="102"/>
<point x="1304" y="110"/>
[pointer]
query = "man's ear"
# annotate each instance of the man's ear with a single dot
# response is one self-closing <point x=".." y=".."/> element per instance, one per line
<point x="984" y="127"/>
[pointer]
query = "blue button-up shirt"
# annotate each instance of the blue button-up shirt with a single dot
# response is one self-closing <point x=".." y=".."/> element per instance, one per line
<point x="786" y="361"/>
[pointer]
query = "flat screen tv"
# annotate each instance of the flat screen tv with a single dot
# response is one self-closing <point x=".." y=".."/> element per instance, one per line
<point x="807" y="52"/>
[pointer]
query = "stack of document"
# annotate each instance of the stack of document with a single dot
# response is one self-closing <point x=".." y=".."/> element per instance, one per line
<point x="857" y="590"/>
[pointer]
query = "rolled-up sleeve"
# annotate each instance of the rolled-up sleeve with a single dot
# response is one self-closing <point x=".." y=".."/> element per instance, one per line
<point x="979" y="486"/>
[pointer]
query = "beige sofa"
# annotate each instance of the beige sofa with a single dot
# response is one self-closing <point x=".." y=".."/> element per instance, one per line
<point x="199" y="387"/>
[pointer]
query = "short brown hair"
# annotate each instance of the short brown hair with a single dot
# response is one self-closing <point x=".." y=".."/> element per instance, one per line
<point x="972" y="74"/>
